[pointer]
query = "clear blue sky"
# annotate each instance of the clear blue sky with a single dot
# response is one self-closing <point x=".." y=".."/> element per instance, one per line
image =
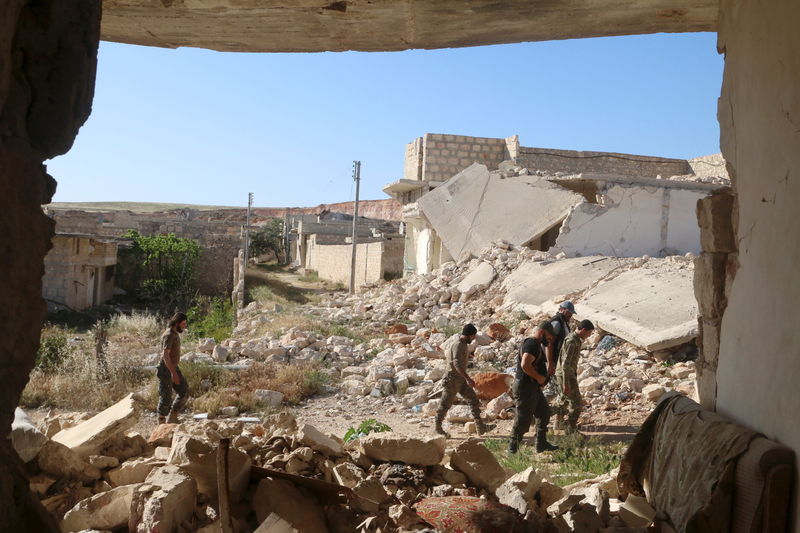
<point x="202" y="127"/>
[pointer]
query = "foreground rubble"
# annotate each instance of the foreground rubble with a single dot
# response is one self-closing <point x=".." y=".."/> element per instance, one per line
<point x="282" y="472"/>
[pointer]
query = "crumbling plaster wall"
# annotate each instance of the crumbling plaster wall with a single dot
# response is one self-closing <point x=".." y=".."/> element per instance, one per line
<point x="373" y="260"/>
<point x="576" y="162"/>
<point x="759" y="114"/>
<point x="48" y="60"/>
<point x="631" y="221"/>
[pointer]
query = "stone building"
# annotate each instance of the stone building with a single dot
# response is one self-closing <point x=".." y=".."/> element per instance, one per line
<point x="79" y="271"/>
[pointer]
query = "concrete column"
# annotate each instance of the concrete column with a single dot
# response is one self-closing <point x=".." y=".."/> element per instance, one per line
<point x="759" y="114"/>
<point x="48" y="58"/>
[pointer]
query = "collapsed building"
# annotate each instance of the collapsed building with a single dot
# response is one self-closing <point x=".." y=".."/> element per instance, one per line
<point x="461" y="193"/>
<point x="750" y="253"/>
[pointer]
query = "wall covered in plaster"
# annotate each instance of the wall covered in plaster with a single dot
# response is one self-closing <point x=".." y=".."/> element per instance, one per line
<point x="759" y="114"/>
<point x="633" y="221"/>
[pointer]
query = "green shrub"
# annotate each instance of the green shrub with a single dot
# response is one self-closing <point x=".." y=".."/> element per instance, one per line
<point x="211" y="317"/>
<point x="366" y="427"/>
<point x="312" y="276"/>
<point x="54" y="350"/>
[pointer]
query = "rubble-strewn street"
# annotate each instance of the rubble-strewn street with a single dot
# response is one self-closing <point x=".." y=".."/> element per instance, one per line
<point x="385" y="362"/>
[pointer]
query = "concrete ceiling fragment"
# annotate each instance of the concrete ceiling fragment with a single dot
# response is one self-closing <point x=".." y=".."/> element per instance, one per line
<point x="386" y="25"/>
<point x="476" y="207"/>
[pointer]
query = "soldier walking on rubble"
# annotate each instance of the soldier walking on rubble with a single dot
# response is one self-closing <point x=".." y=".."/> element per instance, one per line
<point x="531" y="377"/>
<point x="560" y="322"/>
<point x="569" y="400"/>
<point x="169" y="375"/>
<point x="457" y="381"/>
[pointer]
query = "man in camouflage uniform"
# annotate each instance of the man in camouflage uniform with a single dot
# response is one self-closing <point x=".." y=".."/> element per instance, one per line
<point x="457" y="381"/>
<point x="569" y="402"/>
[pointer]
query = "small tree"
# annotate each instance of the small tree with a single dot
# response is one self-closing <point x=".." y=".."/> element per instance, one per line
<point x="269" y="238"/>
<point x="165" y="267"/>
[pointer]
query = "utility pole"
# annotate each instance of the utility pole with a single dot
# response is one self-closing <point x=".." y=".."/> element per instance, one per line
<point x="247" y="229"/>
<point x="357" y="179"/>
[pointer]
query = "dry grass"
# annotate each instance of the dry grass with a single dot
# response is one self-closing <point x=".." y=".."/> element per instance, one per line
<point x="296" y="382"/>
<point x="140" y="325"/>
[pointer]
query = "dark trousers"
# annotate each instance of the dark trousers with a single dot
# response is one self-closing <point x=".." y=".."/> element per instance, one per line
<point x="454" y="384"/>
<point x="530" y="403"/>
<point x="165" y="388"/>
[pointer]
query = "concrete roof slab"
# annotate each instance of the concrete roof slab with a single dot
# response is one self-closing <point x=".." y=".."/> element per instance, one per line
<point x="473" y="209"/>
<point x="535" y="286"/>
<point x="376" y="25"/>
<point x="652" y="306"/>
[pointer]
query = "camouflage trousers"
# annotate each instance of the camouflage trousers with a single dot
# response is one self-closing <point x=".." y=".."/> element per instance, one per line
<point x="165" y="388"/>
<point x="568" y="405"/>
<point x="453" y="385"/>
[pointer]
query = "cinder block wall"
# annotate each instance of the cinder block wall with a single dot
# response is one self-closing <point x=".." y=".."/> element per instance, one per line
<point x="332" y="261"/>
<point x="572" y="161"/>
<point x="447" y="155"/>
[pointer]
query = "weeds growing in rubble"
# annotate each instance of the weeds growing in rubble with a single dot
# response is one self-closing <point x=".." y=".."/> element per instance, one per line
<point x="576" y="459"/>
<point x="211" y="317"/>
<point x="366" y="427"/>
<point x="136" y="324"/>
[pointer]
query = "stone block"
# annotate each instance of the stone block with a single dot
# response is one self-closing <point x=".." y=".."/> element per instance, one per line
<point x="134" y="471"/>
<point x="59" y="461"/>
<point x="316" y="440"/>
<point x="636" y="512"/>
<point x="108" y="510"/>
<point x="564" y="505"/>
<point x="709" y="284"/>
<point x="549" y="494"/>
<point x="479" y="464"/>
<point x="423" y="451"/>
<point x="162" y="434"/>
<point x="166" y="499"/>
<point x="198" y="458"/>
<point x="653" y="392"/>
<point x="348" y="474"/>
<point x="528" y="481"/>
<point x="269" y="397"/>
<point x="459" y="414"/>
<point x="26" y="439"/>
<point x="370" y="495"/>
<point x="715" y="218"/>
<point x="89" y="437"/>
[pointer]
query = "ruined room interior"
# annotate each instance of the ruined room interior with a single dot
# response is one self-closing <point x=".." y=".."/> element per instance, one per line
<point x="746" y="278"/>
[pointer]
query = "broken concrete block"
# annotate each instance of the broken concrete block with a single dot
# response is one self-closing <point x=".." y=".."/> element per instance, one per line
<point x="198" y="458"/>
<point x="220" y="353"/>
<point x="528" y="481"/>
<point x="282" y="498"/>
<point x="348" y="474"/>
<point x="653" y="392"/>
<point x="316" y="440"/>
<point x="167" y="498"/>
<point x="599" y="500"/>
<point x="715" y="218"/>
<point x="449" y="476"/>
<point x="103" y="462"/>
<point x="133" y="471"/>
<point x="459" y="414"/>
<point x="583" y="519"/>
<point x="498" y="332"/>
<point x="636" y="512"/>
<point x="403" y="516"/>
<point x="123" y="447"/>
<point x="370" y="495"/>
<point x="490" y="385"/>
<point x="89" y="437"/>
<point x="549" y="494"/>
<point x="26" y="439"/>
<point x="269" y="397"/>
<point x="206" y="345"/>
<point x="564" y="504"/>
<point x="423" y="451"/>
<point x="162" y="434"/>
<point x="57" y="460"/>
<point x="514" y="497"/>
<point x="107" y="510"/>
<point x="479" y="464"/>
<point x="477" y="280"/>
<point x="496" y="407"/>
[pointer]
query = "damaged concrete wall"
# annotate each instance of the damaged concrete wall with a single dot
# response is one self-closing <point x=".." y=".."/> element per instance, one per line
<point x="79" y="271"/>
<point x="471" y="210"/>
<point x="373" y="260"/>
<point x="576" y="162"/>
<point x="634" y="220"/>
<point x="759" y="114"/>
<point x="48" y="60"/>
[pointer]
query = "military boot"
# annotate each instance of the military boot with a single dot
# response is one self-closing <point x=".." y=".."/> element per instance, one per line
<point x="541" y="443"/>
<point x="440" y="430"/>
<point x="513" y="445"/>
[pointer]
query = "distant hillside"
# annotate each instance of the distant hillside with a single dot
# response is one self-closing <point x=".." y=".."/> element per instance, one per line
<point x="379" y="209"/>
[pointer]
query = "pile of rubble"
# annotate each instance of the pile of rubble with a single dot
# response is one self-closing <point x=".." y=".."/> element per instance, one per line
<point x="401" y="369"/>
<point x="96" y="475"/>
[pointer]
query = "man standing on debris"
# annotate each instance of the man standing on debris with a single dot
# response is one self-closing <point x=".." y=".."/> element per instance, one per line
<point x="169" y="375"/>
<point x="531" y="377"/>
<point x="560" y="322"/>
<point x="569" y="401"/>
<point x="457" y="381"/>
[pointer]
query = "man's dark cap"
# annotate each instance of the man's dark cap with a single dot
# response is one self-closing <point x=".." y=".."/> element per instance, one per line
<point x="469" y="329"/>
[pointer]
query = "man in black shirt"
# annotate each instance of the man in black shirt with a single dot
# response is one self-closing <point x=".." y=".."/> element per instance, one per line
<point x="561" y="329"/>
<point x="531" y="376"/>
